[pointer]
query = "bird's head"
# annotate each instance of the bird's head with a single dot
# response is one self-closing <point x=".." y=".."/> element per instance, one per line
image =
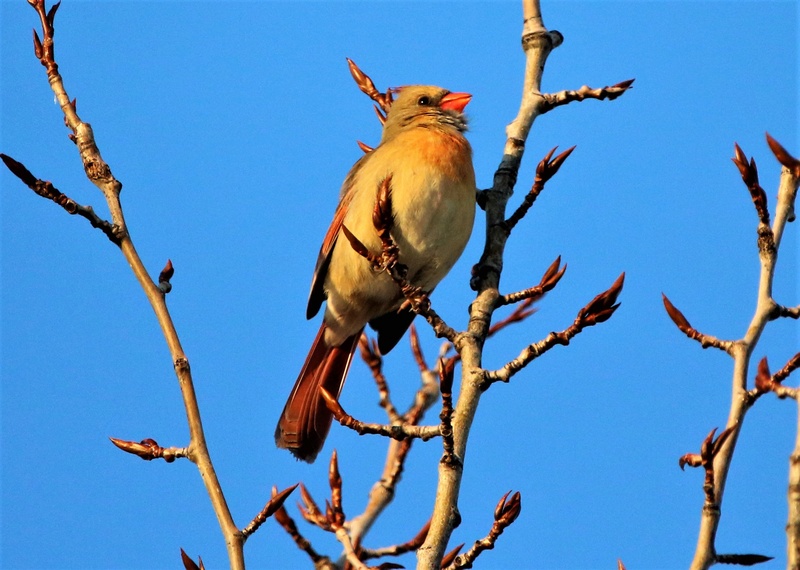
<point x="426" y="106"/>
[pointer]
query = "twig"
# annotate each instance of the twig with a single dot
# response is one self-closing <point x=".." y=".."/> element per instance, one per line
<point x="548" y="281"/>
<point x="288" y="524"/>
<point x="275" y="503"/>
<point x="505" y="514"/>
<point x="371" y="356"/>
<point x="446" y="369"/>
<point x="554" y="100"/>
<point x="769" y="240"/>
<point x="537" y="43"/>
<point x="99" y="173"/>
<point x="683" y="325"/>
<point x="546" y="169"/>
<point x="382" y="492"/>
<point x="598" y="310"/>
<point x="398" y="549"/>
<point x="395" y="431"/>
<point x="148" y="449"/>
<point x="383" y="100"/>
<point x="45" y="189"/>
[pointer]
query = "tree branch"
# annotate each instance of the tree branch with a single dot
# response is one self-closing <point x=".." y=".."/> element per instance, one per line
<point x="537" y="43"/>
<point x="769" y="241"/>
<point x="99" y="173"/>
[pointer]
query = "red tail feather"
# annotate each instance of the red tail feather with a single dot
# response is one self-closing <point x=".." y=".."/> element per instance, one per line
<point x="306" y="420"/>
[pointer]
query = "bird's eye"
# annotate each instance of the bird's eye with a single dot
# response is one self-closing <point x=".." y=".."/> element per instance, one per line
<point x="424" y="100"/>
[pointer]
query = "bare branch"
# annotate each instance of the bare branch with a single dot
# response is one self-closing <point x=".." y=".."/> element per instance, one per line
<point x="553" y="100"/>
<point x="272" y="506"/>
<point x="683" y="325"/>
<point x="446" y="369"/>
<point x="596" y="311"/>
<point x="549" y="280"/>
<point x="45" y="189"/>
<point x="505" y="514"/>
<point x="371" y="356"/>
<point x="398" y="549"/>
<point x="288" y="524"/>
<point x="148" y="449"/>
<point x="546" y="169"/>
<point x="99" y="173"/>
<point x="394" y="431"/>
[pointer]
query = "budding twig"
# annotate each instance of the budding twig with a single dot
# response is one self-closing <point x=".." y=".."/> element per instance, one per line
<point x="399" y="431"/>
<point x="553" y="100"/>
<point x="148" y="449"/>
<point x="705" y="459"/>
<point x="384" y="100"/>
<point x="287" y="523"/>
<point x="371" y="356"/>
<point x="275" y="503"/>
<point x="549" y="280"/>
<point x="683" y="325"/>
<point x="545" y="170"/>
<point x="45" y="189"/>
<point x="749" y="174"/>
<point x="598" y="310"/>
<point x="505" y="514"/>
<point x="446" y="369"/>
<point x="398" y="549"/>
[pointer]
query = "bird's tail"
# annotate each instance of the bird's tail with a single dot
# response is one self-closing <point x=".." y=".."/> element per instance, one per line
<point x="306" y="420"/>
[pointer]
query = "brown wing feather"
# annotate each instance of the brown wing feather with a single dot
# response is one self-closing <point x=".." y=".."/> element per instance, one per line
<point x="317" y="295"/>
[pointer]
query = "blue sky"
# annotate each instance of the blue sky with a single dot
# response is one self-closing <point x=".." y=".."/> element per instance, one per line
<point x="231" y="127"/>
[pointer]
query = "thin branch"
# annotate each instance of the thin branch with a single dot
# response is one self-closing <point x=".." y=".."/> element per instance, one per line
<point x="683" y="325"/>
<point x="548" y="281"/>
<point x="398" y="549"/>
<point x="99" y="173"/>
<point x="546" y="169"/>
<point x="383" y="491"/>
<point x="288" y="524"/>
<point x="148" y="449"/>
<point x="741" y="350"/>
<point x="371" y="356"/>
<point x="537" y="43"/>
<point x="596" y="311"/>
<point x="45" y="189"/>
<point x="272" y="506"/>
<point x="505" y="514"/>
<point x="553" y="100"/>
<point x="395" y="431"/>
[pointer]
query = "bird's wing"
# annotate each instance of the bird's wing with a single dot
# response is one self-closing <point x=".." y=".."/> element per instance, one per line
<point x="317" y="294"/>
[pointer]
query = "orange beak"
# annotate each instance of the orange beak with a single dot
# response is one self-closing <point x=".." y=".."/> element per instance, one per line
<point x="455" y="101"/>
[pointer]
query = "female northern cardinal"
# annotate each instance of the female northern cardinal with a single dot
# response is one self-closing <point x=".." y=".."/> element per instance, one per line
<point x="424" y="151"/>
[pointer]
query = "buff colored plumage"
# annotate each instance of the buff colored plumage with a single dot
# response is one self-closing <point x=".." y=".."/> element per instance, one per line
<point x="424" y="150"/>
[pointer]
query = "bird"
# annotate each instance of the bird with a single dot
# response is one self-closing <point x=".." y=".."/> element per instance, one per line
<point x="428" y="159"/>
